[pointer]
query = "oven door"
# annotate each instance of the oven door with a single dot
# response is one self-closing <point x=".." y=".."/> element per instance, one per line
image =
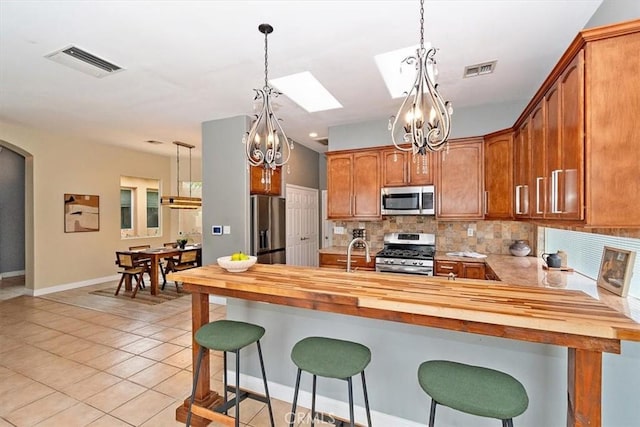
<point x="406" y="269"/>
<point x="401" y="200"/>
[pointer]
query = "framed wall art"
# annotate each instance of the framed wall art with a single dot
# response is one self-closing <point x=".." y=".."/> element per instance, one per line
<point x="616" y="268"/>
<point x="81" y="213"/>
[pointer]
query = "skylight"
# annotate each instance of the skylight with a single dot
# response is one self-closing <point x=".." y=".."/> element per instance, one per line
<point x="306" y="91"/>
<point x="397" y="75"/>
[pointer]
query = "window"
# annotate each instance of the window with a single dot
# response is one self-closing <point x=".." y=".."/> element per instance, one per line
<point x="140" y="214"/>
<point x="584" y="252"/>
<point x="126" y="208"/>
<point x="152" y="208"/>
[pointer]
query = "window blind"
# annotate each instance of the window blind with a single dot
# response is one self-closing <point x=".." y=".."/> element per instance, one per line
<point x="584" y="252"/>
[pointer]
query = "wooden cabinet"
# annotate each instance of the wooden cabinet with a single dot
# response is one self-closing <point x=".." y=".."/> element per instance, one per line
<point x="582" y="127"/>
<point x="537" y="195"/>
<point x="400" y="168"/>
<point x="489" y="274"/>
<point x="461" y="269"/>
<point x="460" y="180"/>
<point x="340" y="261"/>
<point x="353" y="185"/>
<point x="522" y="171"/>
<point x="259" y="183"/>
<point x="498" y="175"/>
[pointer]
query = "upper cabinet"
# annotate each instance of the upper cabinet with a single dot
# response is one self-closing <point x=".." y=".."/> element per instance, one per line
<point x="353" y="185"/>
<point x="460" y="180"/>
<point x="498" y="175"/>
<point x="400" y="168"/>
<point x="580" y="129"/>
<point x="522" y="171"/>
<point x="261" y="183"/>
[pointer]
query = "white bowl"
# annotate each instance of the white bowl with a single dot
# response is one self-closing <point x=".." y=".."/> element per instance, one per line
<point x="236" y="266"/>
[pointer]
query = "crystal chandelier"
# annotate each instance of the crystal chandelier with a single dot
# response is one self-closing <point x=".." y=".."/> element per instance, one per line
<point x="424" y="133"/>
<point x="266" y="143"/>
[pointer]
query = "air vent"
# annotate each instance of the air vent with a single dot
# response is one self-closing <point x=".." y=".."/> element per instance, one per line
<point x="83" y="61"/>
<point x="479" y="69"/>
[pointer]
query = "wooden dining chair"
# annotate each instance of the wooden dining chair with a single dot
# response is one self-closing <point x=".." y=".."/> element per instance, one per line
<point x="186" y="259"/>
<point x="130" y="269"/>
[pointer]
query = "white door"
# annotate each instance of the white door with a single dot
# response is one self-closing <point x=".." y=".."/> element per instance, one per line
<point x="326" y="229"/>
<point x="302" y="226"/>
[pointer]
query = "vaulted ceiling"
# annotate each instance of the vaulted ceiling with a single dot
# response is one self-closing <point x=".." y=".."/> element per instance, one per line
<point x="186" y="62"/>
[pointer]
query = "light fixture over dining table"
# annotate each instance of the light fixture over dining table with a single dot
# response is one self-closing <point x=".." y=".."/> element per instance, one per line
<point x="266" y="143"/>
<point x="181" y="202"/>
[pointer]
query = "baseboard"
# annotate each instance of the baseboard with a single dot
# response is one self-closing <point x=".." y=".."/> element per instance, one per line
<point x="6" y="274"/>
<point x="68" y="286"/>
<point x="323" y="404"/>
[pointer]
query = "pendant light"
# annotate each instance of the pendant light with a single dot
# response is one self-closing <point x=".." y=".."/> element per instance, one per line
<point x="266" y="143"/>
<point x="181" y="202"/>
<point x="426" y="118"/>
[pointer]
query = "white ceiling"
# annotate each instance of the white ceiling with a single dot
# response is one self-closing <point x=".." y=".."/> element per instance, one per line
<point x="187" y="62"/>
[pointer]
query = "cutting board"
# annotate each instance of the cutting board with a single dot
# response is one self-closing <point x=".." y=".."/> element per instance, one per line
<point x="545" y="267"/>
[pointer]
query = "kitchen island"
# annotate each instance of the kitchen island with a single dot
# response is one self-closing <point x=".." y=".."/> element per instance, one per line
<point x="565" y="318"/>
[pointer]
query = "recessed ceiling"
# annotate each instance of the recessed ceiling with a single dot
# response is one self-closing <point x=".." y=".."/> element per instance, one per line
<point x="188" y="62"/>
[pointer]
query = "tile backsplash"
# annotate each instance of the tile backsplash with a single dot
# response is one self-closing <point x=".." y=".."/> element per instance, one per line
<point x="489" y="237"/>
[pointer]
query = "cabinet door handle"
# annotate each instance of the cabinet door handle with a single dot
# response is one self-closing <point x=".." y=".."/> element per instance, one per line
<point x="518" y="211"/>
<point x="486" y="202"/>
<point x="446" y="267"/>
<point x="555" y="196"/>
<point x="538" y="179"/>
<point x="525" y="194"/>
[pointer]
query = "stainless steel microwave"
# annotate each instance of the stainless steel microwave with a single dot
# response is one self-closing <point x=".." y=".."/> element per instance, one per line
<point x="408" y="200"/>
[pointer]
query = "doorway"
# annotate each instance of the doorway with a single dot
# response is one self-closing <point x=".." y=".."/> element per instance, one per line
<point x="302" y="226"/>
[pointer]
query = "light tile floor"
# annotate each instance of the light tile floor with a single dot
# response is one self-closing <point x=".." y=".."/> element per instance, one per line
<point x="76" y="359"/>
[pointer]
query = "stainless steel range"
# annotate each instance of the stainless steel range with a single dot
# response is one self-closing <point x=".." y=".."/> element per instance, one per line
<point x="407" y="253"/>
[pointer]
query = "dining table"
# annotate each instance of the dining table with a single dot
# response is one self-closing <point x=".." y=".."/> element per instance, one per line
<point x="155" y="255"/>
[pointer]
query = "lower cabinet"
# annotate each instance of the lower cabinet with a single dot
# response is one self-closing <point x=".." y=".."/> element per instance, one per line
<point x="463" y="270"/>
<point x="340" y="262"/>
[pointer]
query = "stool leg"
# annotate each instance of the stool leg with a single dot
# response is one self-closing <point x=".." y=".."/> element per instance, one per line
<point x="224" y="379"/>
<point x="313" y="402"/>
<point x="432" y="414"/>
<point x="266" y="388"/>
<point x="507" y="422"/>
<point x="292" y="420"/>
<point x="351" y="416"/>
<point x="238" y="388"/>
<point x="366" y="400"/>
<point x="195" y="383"/>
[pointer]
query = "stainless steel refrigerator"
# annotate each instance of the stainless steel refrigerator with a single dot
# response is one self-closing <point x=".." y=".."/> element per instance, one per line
<point x="268" y="235"/>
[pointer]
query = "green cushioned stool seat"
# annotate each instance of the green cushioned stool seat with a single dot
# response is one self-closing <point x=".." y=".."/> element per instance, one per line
<point x="230" y="336"/>
<point x="473" y="389"/>
<point x="330" y="358"/>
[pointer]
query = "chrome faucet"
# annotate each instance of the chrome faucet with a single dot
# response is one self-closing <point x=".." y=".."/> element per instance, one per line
<point x="366" y="251"/>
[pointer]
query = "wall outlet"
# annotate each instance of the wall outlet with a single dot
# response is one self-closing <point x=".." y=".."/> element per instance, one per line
<point x="470" y="232"/>
<point x="226" y="229"/>
<point x="338" y="230"/>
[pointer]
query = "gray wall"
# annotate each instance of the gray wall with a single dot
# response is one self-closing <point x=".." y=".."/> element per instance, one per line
<point x="611" y="11"/>
<point x="11" y="211"/>
<point x="225" y="187"/>
<point x="466" y="122"/>
<point x="303" y="167"/>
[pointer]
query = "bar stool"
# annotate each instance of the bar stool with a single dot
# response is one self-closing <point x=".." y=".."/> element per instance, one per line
<point x="472" y="389"/>
<point x="330" y="358"/>
<point x="230" y="336"/>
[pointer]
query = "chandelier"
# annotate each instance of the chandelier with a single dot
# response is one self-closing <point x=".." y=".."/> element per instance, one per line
<point x="266" y="143"/>
<point x="182" y="202"/>
<point x="427" y="118"/>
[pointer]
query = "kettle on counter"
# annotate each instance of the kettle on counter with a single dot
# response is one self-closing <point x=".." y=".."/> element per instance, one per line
<point x="552" y="260"/>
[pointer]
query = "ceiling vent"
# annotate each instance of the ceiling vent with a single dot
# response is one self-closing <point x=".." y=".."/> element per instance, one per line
<point x="479" y="69"/>
<point x="83" y="61"/>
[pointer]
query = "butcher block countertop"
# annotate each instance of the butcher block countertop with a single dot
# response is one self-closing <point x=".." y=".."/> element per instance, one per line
<point x="531" y="313"/>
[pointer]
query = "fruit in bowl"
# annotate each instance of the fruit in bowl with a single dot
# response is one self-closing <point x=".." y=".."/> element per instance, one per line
<point x="237" y="262"/>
